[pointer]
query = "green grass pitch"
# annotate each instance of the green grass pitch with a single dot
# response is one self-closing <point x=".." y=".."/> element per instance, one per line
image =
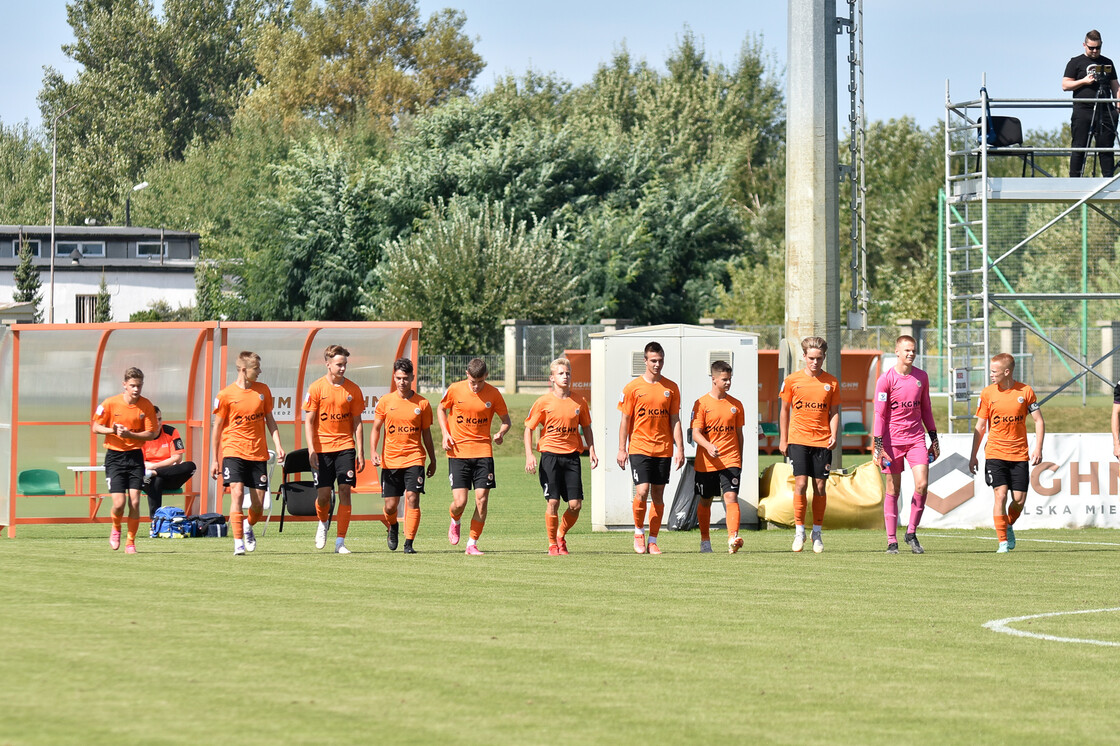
<point x="185" y="643"/>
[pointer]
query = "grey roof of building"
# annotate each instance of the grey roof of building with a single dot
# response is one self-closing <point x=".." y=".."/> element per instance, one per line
<point x="92" y="231"/>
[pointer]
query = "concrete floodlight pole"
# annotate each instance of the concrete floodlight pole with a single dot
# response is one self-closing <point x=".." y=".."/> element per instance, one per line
<point x="812" y="183"/>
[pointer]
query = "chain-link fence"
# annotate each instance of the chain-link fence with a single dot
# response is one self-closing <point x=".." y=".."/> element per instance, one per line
<point x="542" y="344"/>
<point x="1038" y="363"/>
<point x="437" y="371"/>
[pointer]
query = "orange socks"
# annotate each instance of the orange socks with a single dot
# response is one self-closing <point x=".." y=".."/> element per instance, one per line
<point x="655" y="513"/>
<point x="344" y="520"/>
<point x="569" y="519"/>
<point x="704" y="515"/>
<point x="639" y="514"/>
<point x="323" y="511"/>
<point x="391" y="516"/>
<point x="476" y="528"/>
<point x="733" y="518"/>
<point x="237" y="518"/>
<point x="1014" y="510"/>
<point x="254" y="515"/>
<point x="117" y="522"/>
<point x="1001" y="527"/>
<point x="133" y="527"/>
<point x="800" y="502"/>
<point x="454" y="517"/>
<point x="411" y="522"/>
<point x="819" y="502"/>
<point x="551" y="524"/>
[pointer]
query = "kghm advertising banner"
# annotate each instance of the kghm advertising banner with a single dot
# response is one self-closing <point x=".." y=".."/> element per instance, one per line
<point x="1077" y="484"/>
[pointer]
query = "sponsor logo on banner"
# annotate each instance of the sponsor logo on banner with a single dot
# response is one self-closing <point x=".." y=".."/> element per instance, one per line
<point x="1077" y="484"/>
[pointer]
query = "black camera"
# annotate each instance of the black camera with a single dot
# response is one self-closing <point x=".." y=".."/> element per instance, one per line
<point x="1100" y="73"/>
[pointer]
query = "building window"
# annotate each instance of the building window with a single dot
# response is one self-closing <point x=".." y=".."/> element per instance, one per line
<point x="84" y="308"/>
<point x="85" y="248"/>
<point x="150" y="248"/>
<point x="31" y="243"/>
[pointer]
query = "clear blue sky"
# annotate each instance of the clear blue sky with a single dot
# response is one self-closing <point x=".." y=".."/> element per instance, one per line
<point x="911" y="47"/>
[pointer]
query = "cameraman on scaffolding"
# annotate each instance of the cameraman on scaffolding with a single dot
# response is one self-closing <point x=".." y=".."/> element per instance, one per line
<point x="1091" y="76"/>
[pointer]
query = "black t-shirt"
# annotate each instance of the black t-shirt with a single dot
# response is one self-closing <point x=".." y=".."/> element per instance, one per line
<point x="1080" y="66"/>
<point x="1116" y="393"/>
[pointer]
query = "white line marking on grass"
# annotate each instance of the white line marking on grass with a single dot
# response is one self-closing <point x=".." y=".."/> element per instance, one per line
<point x="1020" y="538"/>
<point x="1000" y="625"/>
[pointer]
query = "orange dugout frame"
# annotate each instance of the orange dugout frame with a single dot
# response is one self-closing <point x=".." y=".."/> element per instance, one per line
<point x="52" y="377"/>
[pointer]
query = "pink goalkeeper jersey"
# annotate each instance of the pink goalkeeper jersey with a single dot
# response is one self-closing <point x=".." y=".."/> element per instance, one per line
<point x="902" y="406"/>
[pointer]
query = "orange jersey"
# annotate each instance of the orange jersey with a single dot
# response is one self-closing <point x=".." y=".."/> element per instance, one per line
<point x="810" y="400"/>
<point x="339" y="410"/>
<point x="719" y="421"/>
<point x="138" y="417"/>
<point x="560" y="420"/>
<point x="406" y="421"/>
<point x="469" y="416"/>
<point x="245" y="413"/>
<point x="1006" y="413"/>
<point x="650" y="407"/>
<point x="165" y="446"/>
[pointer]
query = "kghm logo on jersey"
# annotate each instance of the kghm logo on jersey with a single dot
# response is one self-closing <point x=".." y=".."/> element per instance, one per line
<point x="810" y="405"/>
<point x="472" y="420"/>
<point x="642" y="411"/>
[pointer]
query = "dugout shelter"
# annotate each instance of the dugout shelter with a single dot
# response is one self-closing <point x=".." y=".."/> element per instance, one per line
<point x="53" y="376"/>
<point x="617" y="357"/>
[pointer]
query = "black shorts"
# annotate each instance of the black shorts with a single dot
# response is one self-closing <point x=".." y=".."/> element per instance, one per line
<point x="249" y="473"/>
<point x="1013" y="474"/>
<point x="337" y="466"/>
<point x="468" y="473"/>
<point x="124" y="471"/>
<point x="396" y="482"/>
<point x="718" y="483"/>
<point x="561" y="476"/>
<point x="649" y="469"/>
<point x="810" y="461"/>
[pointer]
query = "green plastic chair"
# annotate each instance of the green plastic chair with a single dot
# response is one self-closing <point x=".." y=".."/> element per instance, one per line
<point x="855" y="428"/>
<point x="39" y="482"/>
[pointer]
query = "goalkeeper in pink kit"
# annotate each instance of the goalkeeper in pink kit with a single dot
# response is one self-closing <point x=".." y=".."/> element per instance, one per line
<point x="903" y="415"/>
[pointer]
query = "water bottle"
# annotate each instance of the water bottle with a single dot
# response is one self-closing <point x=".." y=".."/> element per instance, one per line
<point x="886" y="462"/>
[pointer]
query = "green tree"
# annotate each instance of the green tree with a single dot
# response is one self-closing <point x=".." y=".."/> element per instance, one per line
<point x="25" y="173"/>
<point x="146" y="89"/>
<point x="103" y="309"/>
<point x="161" y="310"/>
<point x="28" y="284"/>
<point x="469" y="267"/>
<point x="345" y="59"/>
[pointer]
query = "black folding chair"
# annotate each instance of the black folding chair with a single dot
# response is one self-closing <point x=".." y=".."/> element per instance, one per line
<point x="296" y="496"/>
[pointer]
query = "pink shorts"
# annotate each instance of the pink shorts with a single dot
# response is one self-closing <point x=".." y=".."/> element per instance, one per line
<point x="914" y="454"/>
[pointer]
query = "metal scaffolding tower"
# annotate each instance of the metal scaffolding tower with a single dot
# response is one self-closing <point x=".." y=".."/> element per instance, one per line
<point x="985" y="283"/>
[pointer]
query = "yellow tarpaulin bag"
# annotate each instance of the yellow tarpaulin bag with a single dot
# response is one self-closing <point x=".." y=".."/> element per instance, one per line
<point x="855" y="499"/>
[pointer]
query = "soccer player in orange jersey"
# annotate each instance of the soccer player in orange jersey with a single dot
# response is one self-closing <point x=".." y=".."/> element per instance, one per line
<point x="126" y="420"/>
<point x="333" y="425"/>
<point x="465" y="414"/>
<point x="242" y="416"/>
<point x="407" y="419"/>
<point x="164" y="468"/>
<point x="809" y="424"/>
<point x="1002" y="416"/>
<point x="649" y="437"/>
<point x="560" y="414"/>
<point x="717" y="429"/>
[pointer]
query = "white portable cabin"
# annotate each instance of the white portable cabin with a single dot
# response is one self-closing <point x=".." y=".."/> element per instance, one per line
<point x="617" y="358"/>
